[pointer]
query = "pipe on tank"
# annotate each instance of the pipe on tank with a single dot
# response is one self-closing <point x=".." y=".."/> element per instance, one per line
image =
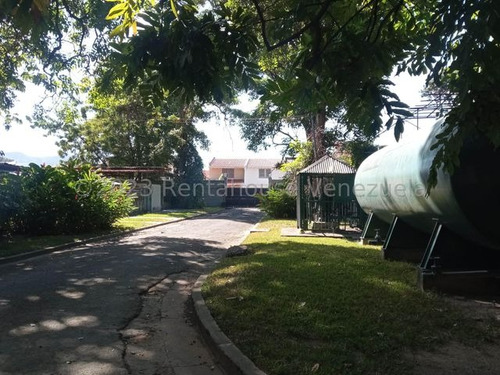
<point x="393" y="181"/>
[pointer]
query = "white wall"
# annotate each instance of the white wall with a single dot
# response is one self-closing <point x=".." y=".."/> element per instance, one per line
<point x="276" y="174"/>
<point x="252" y="178"/>
<point x="156" y="198"/>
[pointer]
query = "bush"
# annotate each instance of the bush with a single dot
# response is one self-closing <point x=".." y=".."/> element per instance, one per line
<point x="66" y="199"/>
<point x="278" y="204"/>
<point x="46" y="201"/>
<point x="10" y="201"/>
<point x="99" y="202"/>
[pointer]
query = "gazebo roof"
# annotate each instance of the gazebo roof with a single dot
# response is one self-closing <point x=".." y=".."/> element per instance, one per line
<point x="328" y="165"/>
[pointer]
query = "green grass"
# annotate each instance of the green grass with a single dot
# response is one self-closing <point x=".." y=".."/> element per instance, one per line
<point x="297" y="302"/>
<point x="22" y="244"/>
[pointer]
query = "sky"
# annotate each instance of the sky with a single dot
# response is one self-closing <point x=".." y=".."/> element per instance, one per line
<point x="225" y="138"/>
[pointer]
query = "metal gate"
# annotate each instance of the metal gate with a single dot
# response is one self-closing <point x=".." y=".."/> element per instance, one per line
<point x="243" y="197"/>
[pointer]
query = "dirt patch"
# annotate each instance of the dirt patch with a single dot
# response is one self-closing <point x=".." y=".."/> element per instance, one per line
<point x="458" y="358"/>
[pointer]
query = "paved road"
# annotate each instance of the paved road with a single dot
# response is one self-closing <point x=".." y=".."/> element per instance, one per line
<point x="117" y="306"/>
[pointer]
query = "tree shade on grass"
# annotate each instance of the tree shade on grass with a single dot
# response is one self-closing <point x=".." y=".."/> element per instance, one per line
<point x="295" y="303"/>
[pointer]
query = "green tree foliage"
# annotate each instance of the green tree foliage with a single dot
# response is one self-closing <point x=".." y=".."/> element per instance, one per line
<point x="189" y="54"/>
<point x="66" y="199"/>
<point x="11" y="199"/>
<point x="341" y="53"/>
<point x="329" y="75"/>
<point x="188" y="170"/>
<point x="461" y="53"/>
<point x="301" y="154"/>
<point x="358" y="150"/>
<point x="122" y="130"/>
<point x="278" y="204"/>
<point x="315" y="60"/>
<point x="42" y="41"/>
<point x="316" y="67"/>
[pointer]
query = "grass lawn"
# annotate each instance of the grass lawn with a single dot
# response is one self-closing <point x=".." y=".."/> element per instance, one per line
<point x="330" y="306"/>
<point x="22" y="244"/>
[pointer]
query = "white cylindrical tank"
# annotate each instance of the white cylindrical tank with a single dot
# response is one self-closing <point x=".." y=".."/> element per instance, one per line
<point x="393" y="181"/>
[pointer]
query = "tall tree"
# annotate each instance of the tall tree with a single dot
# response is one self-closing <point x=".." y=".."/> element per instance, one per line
<point x="188" y="169"/>
<point x="122" y="131"/>
<point x="314" y="66"/>
<point x="329" y="75"/>
<point x="346" y="49"/>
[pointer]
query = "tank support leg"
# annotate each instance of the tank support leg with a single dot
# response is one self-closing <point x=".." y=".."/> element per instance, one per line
<point x="404" y="243"/>
<point x="454" y="265"/>
<point x="374" y="230"/>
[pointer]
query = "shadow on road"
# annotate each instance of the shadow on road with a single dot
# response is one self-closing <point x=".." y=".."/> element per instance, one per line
<point x="57" y="312"/>
<point x="243" y="215"/>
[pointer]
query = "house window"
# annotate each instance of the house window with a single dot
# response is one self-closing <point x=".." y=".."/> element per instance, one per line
<point x="228" y="172"/>
<point x="264" y="173"/>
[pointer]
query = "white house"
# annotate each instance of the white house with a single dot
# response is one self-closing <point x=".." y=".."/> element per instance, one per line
<point x="245" y="172"/>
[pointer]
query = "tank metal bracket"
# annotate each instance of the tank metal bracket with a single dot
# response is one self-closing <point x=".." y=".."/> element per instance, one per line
<point x="404" y="242"/>
<point x="374" y="230"/>
<point x="454" y="265"/>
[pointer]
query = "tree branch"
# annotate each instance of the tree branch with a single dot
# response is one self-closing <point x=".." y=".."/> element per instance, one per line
<point x="341" y="28"/>
<point x="286" y="134"/>
<point x="296" y="35"/>
<point x="373" y="21"/>
<point x="59" y="36"/>
<point x="394" y="10"/>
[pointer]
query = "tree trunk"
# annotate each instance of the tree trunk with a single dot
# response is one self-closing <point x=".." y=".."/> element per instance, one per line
<point x="315" y="133"/>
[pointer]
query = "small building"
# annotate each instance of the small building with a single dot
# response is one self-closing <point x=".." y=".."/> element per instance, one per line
<point x="243" y="173"/>
<point x="325" y="196"/>
<point x="145" y="182"/>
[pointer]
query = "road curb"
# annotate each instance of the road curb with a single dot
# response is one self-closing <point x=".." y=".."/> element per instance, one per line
<point x="69" y="245"/>
<point x="224" y="349"/>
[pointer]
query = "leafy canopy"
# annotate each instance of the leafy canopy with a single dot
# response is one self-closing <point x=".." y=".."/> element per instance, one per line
<point x="336" y="55"/>
<point x="44" y="41"/>
<point x="329" y="58"/>
<point x="116" y="128"/>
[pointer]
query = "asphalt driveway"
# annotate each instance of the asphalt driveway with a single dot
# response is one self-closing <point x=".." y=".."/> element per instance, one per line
<point x="117" y="306"/>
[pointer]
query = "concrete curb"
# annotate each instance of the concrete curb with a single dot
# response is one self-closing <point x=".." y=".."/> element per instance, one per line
<point x="69" y="245"/>
<point x="224" y="349"/>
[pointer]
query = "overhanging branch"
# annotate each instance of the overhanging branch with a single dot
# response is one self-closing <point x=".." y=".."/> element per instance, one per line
<point x="294" y="36"/>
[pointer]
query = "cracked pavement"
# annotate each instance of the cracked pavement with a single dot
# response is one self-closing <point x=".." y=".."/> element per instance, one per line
<point x="116" y="306"/>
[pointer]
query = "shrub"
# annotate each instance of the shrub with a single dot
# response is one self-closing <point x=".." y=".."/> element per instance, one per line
<point x="46" y="200"/>
<point x="10" y="198"/>
<point x="278" y="203"/>
<point x="66" y="199"/>
<point x="99" y="201"/>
